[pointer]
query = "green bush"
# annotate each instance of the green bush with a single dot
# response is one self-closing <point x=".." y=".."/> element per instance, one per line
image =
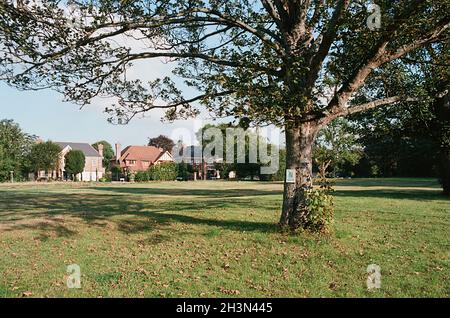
<point x="75" y="162"/>
<point x="224" y="169"/>
<point x="141" y="176"/>
<point x="116" y="173"/>
<point x="108" y="177"/>
<point x="183" y="171"/>
<point x="318" y="213"/>
<point x="163" y="172"/>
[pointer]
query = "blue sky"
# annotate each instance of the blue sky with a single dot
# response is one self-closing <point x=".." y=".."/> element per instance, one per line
<point x="44" y="114"/>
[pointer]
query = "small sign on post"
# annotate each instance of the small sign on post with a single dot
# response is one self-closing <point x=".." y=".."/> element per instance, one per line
<point x="290" y="175"/>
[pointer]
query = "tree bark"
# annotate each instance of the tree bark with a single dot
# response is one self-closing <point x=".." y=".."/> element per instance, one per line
<point x="443" y="114"/>
<point x="299" y="141"/>
<point x="445" y="170"/>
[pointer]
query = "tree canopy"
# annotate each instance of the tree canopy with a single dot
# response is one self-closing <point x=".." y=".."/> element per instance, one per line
<point x="271" y="60"/>
<point x="15" y="147"/>
<point x="163" y="142"/>
<point x="44" y="156"/>
<point x="108" y="152"/>
<point x="74" y="162"/>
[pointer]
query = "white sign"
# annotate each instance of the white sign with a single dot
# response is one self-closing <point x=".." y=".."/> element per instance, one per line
<point x="290" y="175"/>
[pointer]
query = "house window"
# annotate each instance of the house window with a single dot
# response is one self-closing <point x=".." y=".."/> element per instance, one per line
<point x="131" y="162"/>
<point x="146" y="163"/>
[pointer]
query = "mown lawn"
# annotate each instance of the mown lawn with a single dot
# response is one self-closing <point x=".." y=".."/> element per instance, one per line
<point x="219" y="239"/>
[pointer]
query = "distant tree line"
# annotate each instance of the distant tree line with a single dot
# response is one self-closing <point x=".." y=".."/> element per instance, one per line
<point x="15" y="149"/>
<point x="376" y="148"/>
<point x="378" y="143"/>
<point x="22" y="154"/>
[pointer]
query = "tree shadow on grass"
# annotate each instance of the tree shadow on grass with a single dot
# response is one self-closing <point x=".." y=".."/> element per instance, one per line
<point x="223" y="193"/>
<point x="47" y="212"/>
<point x="410" y="194"/>
<point x="51" y="213"/>
<point x="389" y="182"/>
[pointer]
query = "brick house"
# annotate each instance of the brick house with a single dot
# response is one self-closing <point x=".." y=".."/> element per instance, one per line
<point x="139" y="158"/>
<point x="93" y="169"/>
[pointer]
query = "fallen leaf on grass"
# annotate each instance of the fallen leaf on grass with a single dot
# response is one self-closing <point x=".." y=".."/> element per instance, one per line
<point x="27" y="294"/>
<point x="229" y="291"/>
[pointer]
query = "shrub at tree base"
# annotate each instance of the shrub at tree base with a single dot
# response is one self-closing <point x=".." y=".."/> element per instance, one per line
<point x="318" y="213"/>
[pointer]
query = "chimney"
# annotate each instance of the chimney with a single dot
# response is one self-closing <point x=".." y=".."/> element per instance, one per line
<point x="100" y="149"/>
<point x="118" y="151"/>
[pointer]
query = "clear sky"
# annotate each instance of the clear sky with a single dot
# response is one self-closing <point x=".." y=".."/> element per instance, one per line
<point x="43" y="113"/>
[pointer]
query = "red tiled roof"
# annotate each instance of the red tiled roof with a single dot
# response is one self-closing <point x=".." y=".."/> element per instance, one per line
<point x="139" y="154"/>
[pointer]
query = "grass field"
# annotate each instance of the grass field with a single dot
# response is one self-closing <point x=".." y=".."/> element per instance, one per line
<point x="219" y="239"/>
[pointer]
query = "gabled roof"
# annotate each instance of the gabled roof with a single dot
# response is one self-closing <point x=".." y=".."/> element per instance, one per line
<point x="146" y="153"/>
<point x="86" y="148"/>
<point x="139" y="154"/>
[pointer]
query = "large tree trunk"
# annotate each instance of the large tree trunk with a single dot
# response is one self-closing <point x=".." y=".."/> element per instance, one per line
<point x="444" y="167"/>
<point x="443" y="111"/>
<point x="299" y="141"/>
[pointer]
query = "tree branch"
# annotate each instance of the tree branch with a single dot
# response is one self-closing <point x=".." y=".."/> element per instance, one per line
<point x="201" y="56"/>
<point x="263" y="34"/>
<point x="272" y="11"/>
<point x="426" y="39"/>
<point x="327" y="41"/>
<point x="330" y="116"/>
<point x="176" y="104"/>
<point x="378" y="57"/>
